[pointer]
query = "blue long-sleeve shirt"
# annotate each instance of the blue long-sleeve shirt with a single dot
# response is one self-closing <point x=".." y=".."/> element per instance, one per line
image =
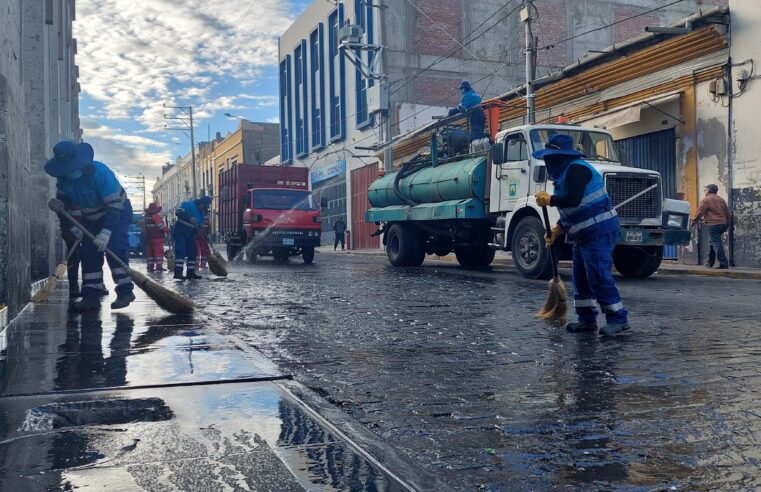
<point x="98" y="194"/>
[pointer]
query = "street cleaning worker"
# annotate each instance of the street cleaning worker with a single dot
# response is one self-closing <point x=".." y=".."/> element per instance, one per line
<point x="190" y="216"/>
<point x="470" y="105"/>
<point x="202" y="243"/>
<point x="106" y="211"/>
<point x="588" y="219"/>
<point x="155" y="232"/>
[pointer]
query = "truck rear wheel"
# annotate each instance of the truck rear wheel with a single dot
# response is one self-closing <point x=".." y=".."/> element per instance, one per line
<point x="404" y="246"/>
<point x="637" y="261"/>
<point x="474" y="256"/>
<point x="308" y="255"/>
<point x="530" y="256"/>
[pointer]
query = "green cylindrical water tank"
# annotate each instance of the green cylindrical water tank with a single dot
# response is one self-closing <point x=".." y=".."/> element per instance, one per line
<point x="457" y="180"/>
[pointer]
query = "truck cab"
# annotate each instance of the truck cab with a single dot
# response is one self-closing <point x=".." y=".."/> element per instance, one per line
<point x="648" y="221"/>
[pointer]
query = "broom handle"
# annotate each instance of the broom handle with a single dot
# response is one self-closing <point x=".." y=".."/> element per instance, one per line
<point x="72" y="249"/>
<point x="548" y="227"/>
<point x="89" y="234"/>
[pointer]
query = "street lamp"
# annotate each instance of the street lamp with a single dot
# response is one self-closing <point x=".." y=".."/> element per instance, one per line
<point x="236" y="117"/>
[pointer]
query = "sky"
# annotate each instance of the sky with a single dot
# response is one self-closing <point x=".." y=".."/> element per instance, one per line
<point x="134" y="56"/>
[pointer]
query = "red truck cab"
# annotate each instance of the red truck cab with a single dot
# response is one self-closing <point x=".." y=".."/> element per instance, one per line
<point x="268" y="211"/>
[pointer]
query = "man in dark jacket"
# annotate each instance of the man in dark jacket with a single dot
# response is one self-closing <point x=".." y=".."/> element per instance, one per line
<point x="588" y="219"/>
<point x="715" y="214"/>
<point x="340" y="229"/>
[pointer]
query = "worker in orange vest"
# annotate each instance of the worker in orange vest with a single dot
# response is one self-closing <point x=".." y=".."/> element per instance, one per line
<point x="155" y="232"/>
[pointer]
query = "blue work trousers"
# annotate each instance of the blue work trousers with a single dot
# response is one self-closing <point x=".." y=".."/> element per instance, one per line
<point x="593" y="282"/>
<point x="185" y="247"/>
<point x="92" y="261"/>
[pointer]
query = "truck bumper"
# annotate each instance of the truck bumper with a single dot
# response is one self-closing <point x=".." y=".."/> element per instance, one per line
<point x="284" y="238"/>
<point x="639" y="236"/>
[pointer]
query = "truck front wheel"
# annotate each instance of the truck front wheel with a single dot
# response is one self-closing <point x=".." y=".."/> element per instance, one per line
<point x="474" y="256"/>
<point x="530" y="256"/>
<point x="637" y="261"/>
<point x="308" y="255"/>
<point x="404" y="246"/>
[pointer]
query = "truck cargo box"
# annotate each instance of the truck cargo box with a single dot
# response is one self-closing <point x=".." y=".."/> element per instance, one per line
<point x="234" y="183"/>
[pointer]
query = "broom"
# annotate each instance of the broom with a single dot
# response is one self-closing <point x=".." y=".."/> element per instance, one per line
<point x="52" y="281"/>
<point x="170" y="258"/>
<point x="217" y="264"/>
<point x="165" y="298"/>
<point x="556" y="306"/>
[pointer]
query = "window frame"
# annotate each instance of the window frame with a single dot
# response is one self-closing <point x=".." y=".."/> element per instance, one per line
<point x="286" y="114"/>
<point x="317" y="86"/>
<point x="336" y="62"/>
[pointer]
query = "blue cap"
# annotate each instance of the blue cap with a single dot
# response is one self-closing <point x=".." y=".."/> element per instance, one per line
<point x="558" y="145"/>
<point x="205" y="201"/>
<point x="69" y="157"/>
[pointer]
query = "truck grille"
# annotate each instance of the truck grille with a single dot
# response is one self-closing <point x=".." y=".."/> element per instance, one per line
<point x="622" y="187"/>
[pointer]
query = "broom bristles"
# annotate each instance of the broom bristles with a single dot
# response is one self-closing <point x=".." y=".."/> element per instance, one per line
<point x="50" y="284"/>
<point x="556" y="306"/>
<point x="168" y="300"/>
<point x="170" y="259"/>
<point x="217" y="264"/>
<point x="60" y="270"/>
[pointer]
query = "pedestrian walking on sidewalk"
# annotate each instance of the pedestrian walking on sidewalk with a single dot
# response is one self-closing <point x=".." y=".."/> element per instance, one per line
<point x="202" y="244"/>
<point x="340" y="229"/>
<point x="155" y="232"/>
<point x="92" y="188"/>
<point x="190" y="216"/>
<point x="588" y="219"/>
<point x="714" y="211"/>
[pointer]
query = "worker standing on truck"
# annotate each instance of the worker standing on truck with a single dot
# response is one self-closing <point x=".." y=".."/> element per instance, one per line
<point x="202" y="243"/>
<point x="155" y="232"/>
<point x="190" y="216"/>
<point x="470" y="105"/>
<point x="588" y="219"/>
<point x="91" y="187"/>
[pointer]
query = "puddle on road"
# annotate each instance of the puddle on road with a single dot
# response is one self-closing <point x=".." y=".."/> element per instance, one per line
<point x="96" y="412"/>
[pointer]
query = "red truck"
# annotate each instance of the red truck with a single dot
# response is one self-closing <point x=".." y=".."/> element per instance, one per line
<point x="268" y="211"/>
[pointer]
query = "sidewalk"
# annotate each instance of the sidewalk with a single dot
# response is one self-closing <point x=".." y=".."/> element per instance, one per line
<point x="139" y="399"/>
<point x="505" y="259"/>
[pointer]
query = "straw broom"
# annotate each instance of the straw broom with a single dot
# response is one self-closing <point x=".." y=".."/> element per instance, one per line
<point x="52" y="281"/>
<point x="217" y="264"/>
<point x="556" y="306"/>
<point x="170" y="258"/>
<point x="165" y="298"/>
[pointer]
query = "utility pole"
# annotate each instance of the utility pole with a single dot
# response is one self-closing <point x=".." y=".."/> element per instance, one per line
<point x="530" y="62"/>
<point x="186" y="120"/>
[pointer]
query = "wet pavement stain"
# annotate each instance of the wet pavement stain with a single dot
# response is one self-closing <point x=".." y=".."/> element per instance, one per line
<point x="452" y="368"/>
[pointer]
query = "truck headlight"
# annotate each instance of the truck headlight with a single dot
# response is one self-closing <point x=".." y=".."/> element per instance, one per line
<point x="676" y="221"/>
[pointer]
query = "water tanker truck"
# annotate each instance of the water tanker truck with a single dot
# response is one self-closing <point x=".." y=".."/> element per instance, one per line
<point x="476" y="199"/>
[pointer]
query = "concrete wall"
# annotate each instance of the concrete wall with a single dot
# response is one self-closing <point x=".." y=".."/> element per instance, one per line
<point x="745" y="178"/>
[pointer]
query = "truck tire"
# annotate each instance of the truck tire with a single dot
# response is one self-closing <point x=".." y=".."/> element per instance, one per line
<point x="308" y="255"/>
<point x="530" y="256"/>
<point x="474" y="256"/>
<point x="404" y="246"/>
<point x="637" y="261"/>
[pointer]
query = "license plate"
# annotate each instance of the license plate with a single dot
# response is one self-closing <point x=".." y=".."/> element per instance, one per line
<point x="633" y="237"/>
<point x="288" y="241"/>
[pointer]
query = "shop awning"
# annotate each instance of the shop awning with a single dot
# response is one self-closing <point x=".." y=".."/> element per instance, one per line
<point x="626" y="115"/>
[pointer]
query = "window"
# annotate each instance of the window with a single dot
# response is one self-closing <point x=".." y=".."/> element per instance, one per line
<point x="300" y="88"/>
<point x="363" y="11"/>
<point x="595" y="145"/>
<point x="317" y="58"/>
<point x="336" y="67"/>
<point x="286" y="121"/>
<point x="284" y="200"/>
<point x="515" y="148"/>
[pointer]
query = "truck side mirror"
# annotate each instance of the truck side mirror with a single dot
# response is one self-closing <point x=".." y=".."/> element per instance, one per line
<point x="498" y="153"/>
<point x="323" y="202"/>
<point x="540" y="174"/>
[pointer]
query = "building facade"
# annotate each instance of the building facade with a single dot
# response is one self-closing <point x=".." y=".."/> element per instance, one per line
<point x="39" y="105"/>
<point x="326" y="102"/>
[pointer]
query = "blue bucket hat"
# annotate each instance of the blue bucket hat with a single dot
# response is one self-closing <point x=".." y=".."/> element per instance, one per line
<point x="205" y="201"/>
<point x="465" y="85"/>
<point x="69" y="157"/>
<point x="558" y="145"/>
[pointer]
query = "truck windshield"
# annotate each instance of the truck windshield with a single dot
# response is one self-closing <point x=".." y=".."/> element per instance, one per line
<point x="284" y="200"/>
<point x="595" y="145"/>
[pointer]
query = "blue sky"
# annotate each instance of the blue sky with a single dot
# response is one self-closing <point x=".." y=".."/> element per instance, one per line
<point x="135" y="55"/>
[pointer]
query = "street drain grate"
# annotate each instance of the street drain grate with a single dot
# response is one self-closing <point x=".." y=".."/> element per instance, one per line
<point x="99" y="412"/>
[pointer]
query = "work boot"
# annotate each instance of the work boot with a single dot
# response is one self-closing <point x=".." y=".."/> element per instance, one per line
<point x="192" y="275"/>
<point x="160" y="269"/>
<point x="103" y="293"/>
<point x="123" y="300"/>
<point x="579" y="327"/>
<point x="87" y="304"/>
<point x="612" y="329"/>
<point x="74" y="292"/>
<point x="178" y="273"/>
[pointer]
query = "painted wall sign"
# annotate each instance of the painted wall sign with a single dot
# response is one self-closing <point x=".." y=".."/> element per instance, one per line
<point x="326" y="172"/>
<point x="512" y="185"/>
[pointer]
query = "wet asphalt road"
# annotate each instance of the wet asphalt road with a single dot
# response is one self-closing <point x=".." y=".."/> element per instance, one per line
<point x="451" y="367"/>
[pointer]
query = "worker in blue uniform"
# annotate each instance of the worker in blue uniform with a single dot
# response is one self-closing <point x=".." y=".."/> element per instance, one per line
<point x="190" y="217"/>
<point x="470" y="106"/>
<point x="588" y="219"/>
<point x="92" y="189"/>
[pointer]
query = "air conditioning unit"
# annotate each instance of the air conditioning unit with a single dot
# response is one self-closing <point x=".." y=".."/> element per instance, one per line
<point x="351" y="33"/>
